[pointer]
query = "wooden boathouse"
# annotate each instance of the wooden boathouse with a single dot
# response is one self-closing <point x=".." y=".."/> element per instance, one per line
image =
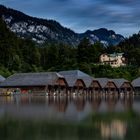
<point x="123" y="85"/>
<point x="136" y="84"/>
<point x="45" y="82"/>
<point x="107" y="85"/>
<point x="95" y="86"/>
<point x="80" y="82"/>
<point x="76" y="84"/>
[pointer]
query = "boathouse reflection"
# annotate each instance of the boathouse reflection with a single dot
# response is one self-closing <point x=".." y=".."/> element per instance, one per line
<point x="95" y="103"/>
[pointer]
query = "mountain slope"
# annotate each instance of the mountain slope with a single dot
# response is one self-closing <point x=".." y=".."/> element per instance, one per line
<point x="43" y="30"/>
<point x="39" y="30"/>
<point x="105" y="36"/>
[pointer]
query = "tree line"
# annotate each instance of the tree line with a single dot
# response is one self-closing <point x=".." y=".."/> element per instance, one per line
<point x="23" y="55"/>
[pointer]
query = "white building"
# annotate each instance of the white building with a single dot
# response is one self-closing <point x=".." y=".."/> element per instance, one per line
<point x="114" y="60"/>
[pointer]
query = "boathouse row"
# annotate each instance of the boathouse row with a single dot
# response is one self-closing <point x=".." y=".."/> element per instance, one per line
<point x="65" y="82"/>
<point x="107" y="85"/>
<point x="119" y="85"/>
<point x="123" y="85"/>
<point x="36" y="82"/>
<point x="80" y="82"/>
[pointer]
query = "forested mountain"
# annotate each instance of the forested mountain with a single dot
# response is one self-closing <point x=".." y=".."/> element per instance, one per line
<point x="43" y="30"/>
<point x="16" y="54"/>
<point x="24" y="55"/>
<point x="107" y="37"/>
<point x="39" y="30"/>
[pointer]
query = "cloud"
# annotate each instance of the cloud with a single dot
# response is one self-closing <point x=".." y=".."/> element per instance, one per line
<point x="80" y="15"/>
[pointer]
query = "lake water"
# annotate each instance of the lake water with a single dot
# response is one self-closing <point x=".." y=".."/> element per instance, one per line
<point x="25" y="117"/>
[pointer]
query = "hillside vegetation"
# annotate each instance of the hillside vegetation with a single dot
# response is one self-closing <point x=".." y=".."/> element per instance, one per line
<point x="23" y="55"/>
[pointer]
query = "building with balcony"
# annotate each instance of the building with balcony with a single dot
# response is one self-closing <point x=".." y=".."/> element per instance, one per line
<point x="114" y="60"/>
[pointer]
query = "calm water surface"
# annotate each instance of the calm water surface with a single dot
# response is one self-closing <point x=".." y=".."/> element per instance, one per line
<point x="69" y="118"/>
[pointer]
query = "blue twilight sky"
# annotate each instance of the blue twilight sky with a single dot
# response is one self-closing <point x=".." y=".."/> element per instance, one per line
<point x="122" y="16"/>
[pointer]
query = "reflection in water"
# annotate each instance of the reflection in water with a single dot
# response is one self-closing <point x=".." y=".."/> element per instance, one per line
<point x="79" y="117"/>
<point x="111" y="102"/>
<point x="114" y="129"/>
<point x="79" y="103"/>
<point x="64" y="104"/>
<point x="95" y="102"/>
<point x="60" y="104"/>
<point x="127" y="102"/>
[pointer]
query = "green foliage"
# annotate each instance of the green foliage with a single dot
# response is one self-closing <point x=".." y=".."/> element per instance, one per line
<point x="20" y="55"/>
<point x="128" y="72"/>
<point x="89" y="53"/>
<point x="131" y="47"/>
<point x="85" y="67"/>
<point x="4" y="71"/>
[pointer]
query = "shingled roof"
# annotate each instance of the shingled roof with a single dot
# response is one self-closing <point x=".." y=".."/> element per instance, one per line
<point x="73" y="75"/>
<point x="136" y="83"/>
<point x="1" y="78"/>
<point x="103" y="81"/>
<point x="31" y="79"/>
<point x="120" y="81"/>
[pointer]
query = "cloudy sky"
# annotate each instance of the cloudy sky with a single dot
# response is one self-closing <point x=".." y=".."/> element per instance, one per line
<point x="122" y="16"/>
